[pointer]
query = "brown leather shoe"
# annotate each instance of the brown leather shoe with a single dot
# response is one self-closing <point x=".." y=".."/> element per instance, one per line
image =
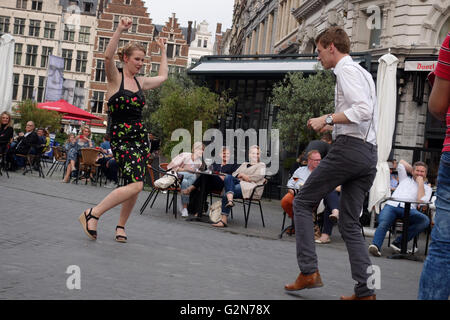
<point x="305" y="282"/>
<point x="354" y="297"/>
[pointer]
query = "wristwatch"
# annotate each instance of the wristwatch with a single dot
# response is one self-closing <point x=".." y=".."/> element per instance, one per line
<point x="329" y="120"/>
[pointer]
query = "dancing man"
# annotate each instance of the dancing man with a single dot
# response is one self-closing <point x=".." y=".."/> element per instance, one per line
<point x="350" y="162"/>
<point x="129" y="140"/>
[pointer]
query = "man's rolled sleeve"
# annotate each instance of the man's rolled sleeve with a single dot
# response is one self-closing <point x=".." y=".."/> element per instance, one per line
<point x="356" y="95"/>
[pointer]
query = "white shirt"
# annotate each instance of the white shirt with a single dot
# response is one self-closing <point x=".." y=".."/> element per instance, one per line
<point x="301" y="174"/>
<point x="355" y="95"/>
<point x="407" y="189"/>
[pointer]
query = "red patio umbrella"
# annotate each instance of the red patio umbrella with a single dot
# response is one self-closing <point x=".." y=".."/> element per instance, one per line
<point x="62" y="106"/>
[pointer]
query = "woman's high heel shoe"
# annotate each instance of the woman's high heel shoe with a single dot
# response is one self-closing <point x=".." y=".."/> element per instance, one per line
<point x="92" y="234"/>
<point x="120" y="238"/>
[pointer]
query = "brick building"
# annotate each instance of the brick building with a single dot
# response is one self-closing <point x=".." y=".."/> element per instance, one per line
<point x="142" y="31"/>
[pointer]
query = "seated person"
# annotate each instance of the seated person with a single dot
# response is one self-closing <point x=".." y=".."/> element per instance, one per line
<point x="330" y="215"/>
<point x="241" y="183"/>
<point x="6" y="131"/>
<point x="298" y="179"/>
<point x="6" y="135"/>
<point x="211" y="183"/>
<point x="27" y="143"/>
<point x="186" y="163"/>
<point x="105" y="145"/>
<point x="331" y="200"/>
<point x="414" y="189"/>
<point x="83" y="139"/>
<point x="72" y="149"/>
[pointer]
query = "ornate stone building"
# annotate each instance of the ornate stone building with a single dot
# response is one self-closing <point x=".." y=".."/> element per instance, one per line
<point x="412" y="30"/>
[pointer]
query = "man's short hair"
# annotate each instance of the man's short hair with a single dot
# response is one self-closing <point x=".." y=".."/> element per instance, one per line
<point x="420" y="164"/>
<point x="336" y="36"/>
<point x="310" y="153"/>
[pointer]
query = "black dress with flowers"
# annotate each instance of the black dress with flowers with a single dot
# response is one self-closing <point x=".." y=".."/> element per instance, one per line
<point x="129" y="138"/>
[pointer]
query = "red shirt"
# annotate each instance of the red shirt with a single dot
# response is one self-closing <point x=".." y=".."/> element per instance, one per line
<point x="443" y="71"/>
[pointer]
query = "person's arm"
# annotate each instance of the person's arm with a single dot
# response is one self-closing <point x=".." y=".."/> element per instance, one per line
<point x="355" y="94"/>
<point x="112" y="74"/>
<point x="420" y="188"/>
<point x="155" y="82"/>
<point x="408" y="167"/>
<point x="439" y="101"/>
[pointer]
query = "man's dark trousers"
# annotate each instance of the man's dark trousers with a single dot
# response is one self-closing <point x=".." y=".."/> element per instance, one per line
<point x="351" y="163"/>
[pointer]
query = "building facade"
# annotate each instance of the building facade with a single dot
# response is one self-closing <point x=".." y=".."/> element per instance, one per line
<point x="44" y="28"/>
<point x="202" y="45"/>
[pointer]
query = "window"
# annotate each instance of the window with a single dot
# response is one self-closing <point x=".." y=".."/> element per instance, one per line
<point x="127" y="2"/>
<point x="69" y="32"/>
<point x="36" y="5"/>
<point x="102" y="44"/>
<point x="16" y="78"/>
<point x="81" y="61"/>
<point x="67" y="55"/>
<point x="170" y="50"/>
<point x="28" y="84"/>
<point x="116" y="22"/>
<point x="33" y="30"/>
<point x="46" y="52"/>
<point x="97" y="99"/>
<point x="134" y="25"/>
<point x="4" y="24"/>
<point x="49" y="30"/>
<point x="100" y="74"/>
<point x="88" y="7"/>
<point x="141" y="72"/>
<point x="19" y="26"/>
<point x="123" y="43"/>
<point x="84" y="34"/>
<point x="199" y="43"/>
<point x="205" y="43"/>
<point x="155" y="69"/>
<point x="79" y="84"/>
<point x="30" y="59"/>
<point x="145" y="45"/>
<point x="177" y="50"/>
<point x="41" y="88"/>
<point x="18" y="53"/>
<point x="21" y="4"/>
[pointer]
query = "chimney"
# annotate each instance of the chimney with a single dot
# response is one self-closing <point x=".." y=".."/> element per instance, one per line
<point x="189" y="32"/>
<point x="219" y="28"/>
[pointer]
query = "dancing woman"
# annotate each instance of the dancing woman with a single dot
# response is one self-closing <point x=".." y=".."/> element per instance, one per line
<point x="129" y="140"/>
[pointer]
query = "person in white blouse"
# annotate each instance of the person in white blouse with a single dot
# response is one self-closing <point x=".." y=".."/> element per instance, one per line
<point x="350" y="162"/>
<point x="413" y="189"/>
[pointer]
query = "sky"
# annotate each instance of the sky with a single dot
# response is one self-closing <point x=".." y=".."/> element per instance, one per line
<point x="213" y="11"/>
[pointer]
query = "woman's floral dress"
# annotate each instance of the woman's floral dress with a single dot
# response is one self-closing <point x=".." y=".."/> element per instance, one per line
<point x="129" y="138"/>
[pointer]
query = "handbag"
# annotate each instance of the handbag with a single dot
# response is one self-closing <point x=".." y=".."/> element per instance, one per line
<point x="215" y="212"/>
<point x="165" y="181"/>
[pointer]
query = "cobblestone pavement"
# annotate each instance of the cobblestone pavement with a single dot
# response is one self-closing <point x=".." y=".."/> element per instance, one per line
<point x="165" y="258"/>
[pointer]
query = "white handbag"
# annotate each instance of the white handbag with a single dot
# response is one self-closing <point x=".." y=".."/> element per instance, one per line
<point x="215" y="212"/>
<point x="165" y="182"/>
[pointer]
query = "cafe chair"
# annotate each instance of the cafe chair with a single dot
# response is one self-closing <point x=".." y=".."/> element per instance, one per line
<point x="247" y="203"/>
<point x="58" y="161"/>
<point x="32" y="161"/>
<point x="173" y="189"/>
<point x="88" y="163"/>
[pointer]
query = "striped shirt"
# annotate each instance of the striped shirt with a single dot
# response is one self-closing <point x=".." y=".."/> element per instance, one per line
<point x="443" y="71"/>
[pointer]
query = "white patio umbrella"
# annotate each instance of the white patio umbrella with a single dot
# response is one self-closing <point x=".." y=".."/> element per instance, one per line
<point x="6" y="74"/>
<point x="387" y="102"/>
